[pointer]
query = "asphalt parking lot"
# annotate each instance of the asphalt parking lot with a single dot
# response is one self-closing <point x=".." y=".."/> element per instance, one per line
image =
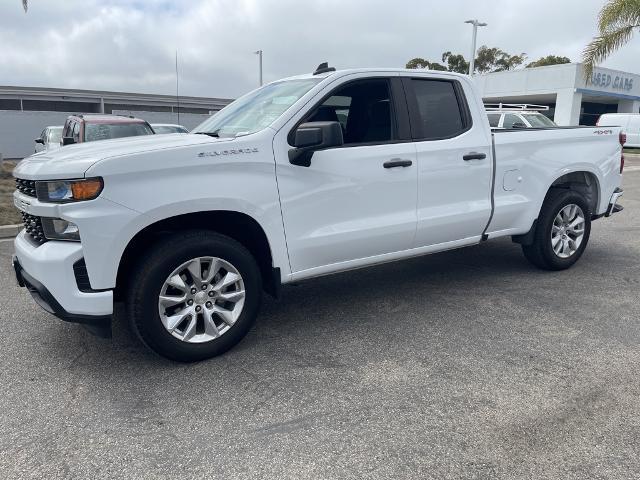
<point x="467" y="364"/>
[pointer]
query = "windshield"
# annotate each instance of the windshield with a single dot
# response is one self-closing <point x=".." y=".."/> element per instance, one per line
<point x="55" y="133"/>
<point x="539" y="120"/>
<point x="105" y="131"/>
<point x="256" y="110"/>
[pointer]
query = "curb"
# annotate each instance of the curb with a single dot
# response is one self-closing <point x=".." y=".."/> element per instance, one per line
<point x="10" y="231"/>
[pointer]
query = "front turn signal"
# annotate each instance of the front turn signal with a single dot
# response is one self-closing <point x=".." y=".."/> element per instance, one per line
<point x="86" y="189"/>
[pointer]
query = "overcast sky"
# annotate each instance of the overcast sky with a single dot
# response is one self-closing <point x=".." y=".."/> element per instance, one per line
<point x="129" y="45"/>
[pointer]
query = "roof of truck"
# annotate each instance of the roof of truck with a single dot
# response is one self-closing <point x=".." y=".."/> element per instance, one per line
<point x="352" y="71"/>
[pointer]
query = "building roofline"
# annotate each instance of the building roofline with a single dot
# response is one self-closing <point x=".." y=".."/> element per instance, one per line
<point x="105" y="94"/>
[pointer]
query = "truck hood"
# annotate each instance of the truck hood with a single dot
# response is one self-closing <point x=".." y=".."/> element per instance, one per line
<point x="73" y="161"/>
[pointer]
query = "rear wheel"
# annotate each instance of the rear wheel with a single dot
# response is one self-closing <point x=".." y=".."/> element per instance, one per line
<point x="194" y="296"/>
<point x="562" y="231"/>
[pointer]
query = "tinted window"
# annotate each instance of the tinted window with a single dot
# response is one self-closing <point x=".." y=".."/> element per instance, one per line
<point x="105" y="131"/>
<point x="510" y="119"/>
<point x="363" y="109"/>
<point x="439" y="109"/>
<point x="494" y="119"/>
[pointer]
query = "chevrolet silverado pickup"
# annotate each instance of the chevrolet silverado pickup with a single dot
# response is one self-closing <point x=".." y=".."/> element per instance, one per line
<point x="306" y="176"/>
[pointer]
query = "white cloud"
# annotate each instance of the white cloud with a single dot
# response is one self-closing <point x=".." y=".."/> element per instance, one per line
<point x="130" y="44"/>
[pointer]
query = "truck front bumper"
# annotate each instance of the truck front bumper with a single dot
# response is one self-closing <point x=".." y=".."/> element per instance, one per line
<point x="47" y="272"/>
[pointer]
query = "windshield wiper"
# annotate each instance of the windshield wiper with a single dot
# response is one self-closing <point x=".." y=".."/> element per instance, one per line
<point x="211" y="134"/>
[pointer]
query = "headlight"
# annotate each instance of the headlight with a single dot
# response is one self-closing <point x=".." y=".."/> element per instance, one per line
<point x="58" y="229"/>
<point x="62" y="191"/>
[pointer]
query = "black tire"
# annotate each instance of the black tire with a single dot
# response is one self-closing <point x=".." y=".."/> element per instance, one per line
<point x="540" y="253"/>
<point x="153" y="269"/>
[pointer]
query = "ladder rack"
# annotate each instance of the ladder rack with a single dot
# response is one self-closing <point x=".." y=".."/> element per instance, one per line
<point x="515" y="107"/>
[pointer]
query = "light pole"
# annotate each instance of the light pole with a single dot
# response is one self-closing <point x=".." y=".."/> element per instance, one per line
<point x="259" y="53"/>
<point x="472" y="62"/>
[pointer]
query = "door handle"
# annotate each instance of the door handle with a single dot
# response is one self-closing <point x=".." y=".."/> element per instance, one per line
<point x="397" y="162"/>
<point x="474" y="156"/>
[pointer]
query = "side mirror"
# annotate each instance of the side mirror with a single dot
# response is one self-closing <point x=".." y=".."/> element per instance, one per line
<point x="67" y="141"/>
<point x="312" y="136"/>
<point x="39" y="140"/>
<point x="518" y="125"/>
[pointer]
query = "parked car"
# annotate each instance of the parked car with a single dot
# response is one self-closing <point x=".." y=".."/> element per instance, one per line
<point x="49" y="138"/>
<point x="518" y="115"/>
<point x="187" y="230"/>
<point x="168" y="128"/>
<point x="92" y="127"/>
<point x="629" y="122"/>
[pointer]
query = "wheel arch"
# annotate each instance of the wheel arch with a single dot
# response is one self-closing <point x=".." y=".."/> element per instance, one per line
<point x="583" y="181"/>
<point x="241" y="227"/>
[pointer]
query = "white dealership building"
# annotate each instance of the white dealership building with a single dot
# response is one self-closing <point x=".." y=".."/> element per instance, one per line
<point x="571" y="99"/>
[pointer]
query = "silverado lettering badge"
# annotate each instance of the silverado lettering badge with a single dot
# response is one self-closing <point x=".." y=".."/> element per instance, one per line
<point x="237" y="151"/>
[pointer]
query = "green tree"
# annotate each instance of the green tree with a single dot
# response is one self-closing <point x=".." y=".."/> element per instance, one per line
<point x="487" y="60"/>
<point x="548" y="60"/>
<point x="616" y="23"/>
<point x="496" y="60"/>
<point x="418" y="62"/>
<point x="455" y="63"/>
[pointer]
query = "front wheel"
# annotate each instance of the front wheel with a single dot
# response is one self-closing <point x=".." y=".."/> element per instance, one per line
<point x="562" y="231"/>
<point x="194" y="295"/>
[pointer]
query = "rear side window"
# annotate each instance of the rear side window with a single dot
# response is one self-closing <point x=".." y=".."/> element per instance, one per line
<point x="443" y="114"/>
<point x="494" y="120"/>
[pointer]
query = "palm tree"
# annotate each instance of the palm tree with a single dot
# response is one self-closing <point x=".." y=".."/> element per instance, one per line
<point x="616" y="22"/>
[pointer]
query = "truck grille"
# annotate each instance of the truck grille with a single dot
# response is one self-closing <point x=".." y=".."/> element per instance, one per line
<point x="33" y="225"/>
<point x="28" y="187"/>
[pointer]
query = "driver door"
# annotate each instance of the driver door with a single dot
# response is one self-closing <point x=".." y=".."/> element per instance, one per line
<point x="355" y="203"/>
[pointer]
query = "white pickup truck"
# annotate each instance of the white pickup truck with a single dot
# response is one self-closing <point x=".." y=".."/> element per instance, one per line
<point x="306" y="176"/>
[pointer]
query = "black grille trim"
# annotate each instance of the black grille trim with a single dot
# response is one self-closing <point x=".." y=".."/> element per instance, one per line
<point x="33" y="226"/>
<point x="28" y="187"/>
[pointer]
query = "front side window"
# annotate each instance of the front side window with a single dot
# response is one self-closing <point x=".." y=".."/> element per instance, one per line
<point x="363" y="109"/>
<point x="439" y="109"/>
<point x="256" y="110"/>
<point x="105" y="131"/>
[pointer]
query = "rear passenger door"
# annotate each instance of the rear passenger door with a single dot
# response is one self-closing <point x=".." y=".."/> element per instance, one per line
<point x="454" y="162"/>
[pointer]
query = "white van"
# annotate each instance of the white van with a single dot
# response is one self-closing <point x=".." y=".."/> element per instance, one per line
<point x="630" y="123"/>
